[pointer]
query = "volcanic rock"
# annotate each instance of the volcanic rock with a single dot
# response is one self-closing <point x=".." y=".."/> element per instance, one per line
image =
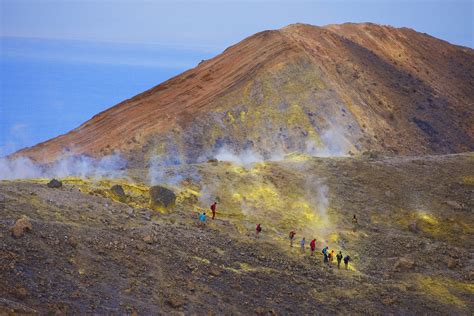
<point x="389" y="194"/>
<point x="161" y="197"/>
<point x="21" y="226"/>
<point x="452" y="263"/>
<point x="20" y="292"/>
<point x="54" y="184"/>
<point x="71" y="241"/>
<point x="118" y="192"/>
<point x="404" y="264"/>
<point x="175" y="302"/>
<point x="455" y="205"/>
<point x="413" y="227"/>
<point x="148" y="239"/>
<point x="471" y="275"/>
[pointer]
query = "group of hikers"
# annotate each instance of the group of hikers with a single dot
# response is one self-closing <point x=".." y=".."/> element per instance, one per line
<point x="203" y="216"/>
<point x="328" y="256"/>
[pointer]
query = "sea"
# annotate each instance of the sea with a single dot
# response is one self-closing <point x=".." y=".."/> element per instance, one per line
<point x="49" y="87"/>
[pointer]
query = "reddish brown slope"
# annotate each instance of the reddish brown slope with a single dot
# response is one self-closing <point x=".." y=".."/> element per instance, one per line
<point x="384" y="88"/>
<point x="176" y="100"/>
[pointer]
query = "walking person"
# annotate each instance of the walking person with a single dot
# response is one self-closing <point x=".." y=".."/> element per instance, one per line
<point x="339" y="259"/>
<point x="302" y="243"/>
<point x="213" y="209"/>
<point x="346" y="261"/>
<point x="202" y="219"/>
<point x="258" y="230"/>
<point x="312" y="245"/>
<point x="326" y="254"/>
<point x="292" y="237"/>
<point x="355" y="223"/>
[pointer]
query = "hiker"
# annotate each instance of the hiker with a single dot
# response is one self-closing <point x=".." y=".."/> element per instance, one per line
<point x="339" y="259"/>
<point x="202" y="219"/>
<point x="213" y="209"/>
<point x="258" y="229"/>
<point x="325" y="250"/>
<point x="354" y="223"/>
<point x="325" y="253"/>
<point x="312" y="244"/>
<point x="326" y="259"/>
<point x="346" y="261"/>
<point x="331" y="256"/>
<point x="302" y="243"/>
<point x="292" y="236"/>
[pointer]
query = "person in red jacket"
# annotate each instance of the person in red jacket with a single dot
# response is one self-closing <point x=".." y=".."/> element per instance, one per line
<point x="213" y="209"/>
<point x="258" y="229"/>
<point x="312" y="244"/>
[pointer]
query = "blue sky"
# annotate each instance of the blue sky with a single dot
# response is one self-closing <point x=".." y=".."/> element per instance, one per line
<point x="62" y="61"/>
<point x="220" y="23"/>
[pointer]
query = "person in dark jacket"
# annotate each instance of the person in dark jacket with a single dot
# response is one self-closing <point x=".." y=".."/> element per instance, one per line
<point x="258" y="230"/>
<point x="346" y="261"/>
<point x="339" y="259"/>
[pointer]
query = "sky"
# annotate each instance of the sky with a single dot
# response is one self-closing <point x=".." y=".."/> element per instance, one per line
<point x="62" y="61"/>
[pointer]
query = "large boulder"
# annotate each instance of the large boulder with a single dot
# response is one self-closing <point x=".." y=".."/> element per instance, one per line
<point x="118" y="192"/>
<point x="54" y="184"/>
<point x="21" y="226"/>
<point x="161" y="197"/>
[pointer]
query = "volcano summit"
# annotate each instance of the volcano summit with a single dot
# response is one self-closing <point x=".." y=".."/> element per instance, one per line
<point x="340" y="89"/>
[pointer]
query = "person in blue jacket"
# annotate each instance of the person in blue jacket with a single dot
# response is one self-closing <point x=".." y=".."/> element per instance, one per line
<point x="202" y="219"/>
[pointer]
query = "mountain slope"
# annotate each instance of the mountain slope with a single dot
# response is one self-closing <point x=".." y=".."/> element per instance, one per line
<point x="342" y="88"/>
<point x="412" y="252"/>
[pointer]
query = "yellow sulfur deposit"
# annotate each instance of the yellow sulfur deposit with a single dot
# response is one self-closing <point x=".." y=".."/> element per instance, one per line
<point x="444" y="289"/>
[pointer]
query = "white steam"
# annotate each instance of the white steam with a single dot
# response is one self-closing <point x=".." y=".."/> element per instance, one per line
<point x="159" y="172"/>
<point x="244" y="158"/>
<point x="333" y="144"/>
<point x="170" y="171"/>
<point x="320" y="202"/>
<point x="19" y="168"/>
<point x="79" y="166"/>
